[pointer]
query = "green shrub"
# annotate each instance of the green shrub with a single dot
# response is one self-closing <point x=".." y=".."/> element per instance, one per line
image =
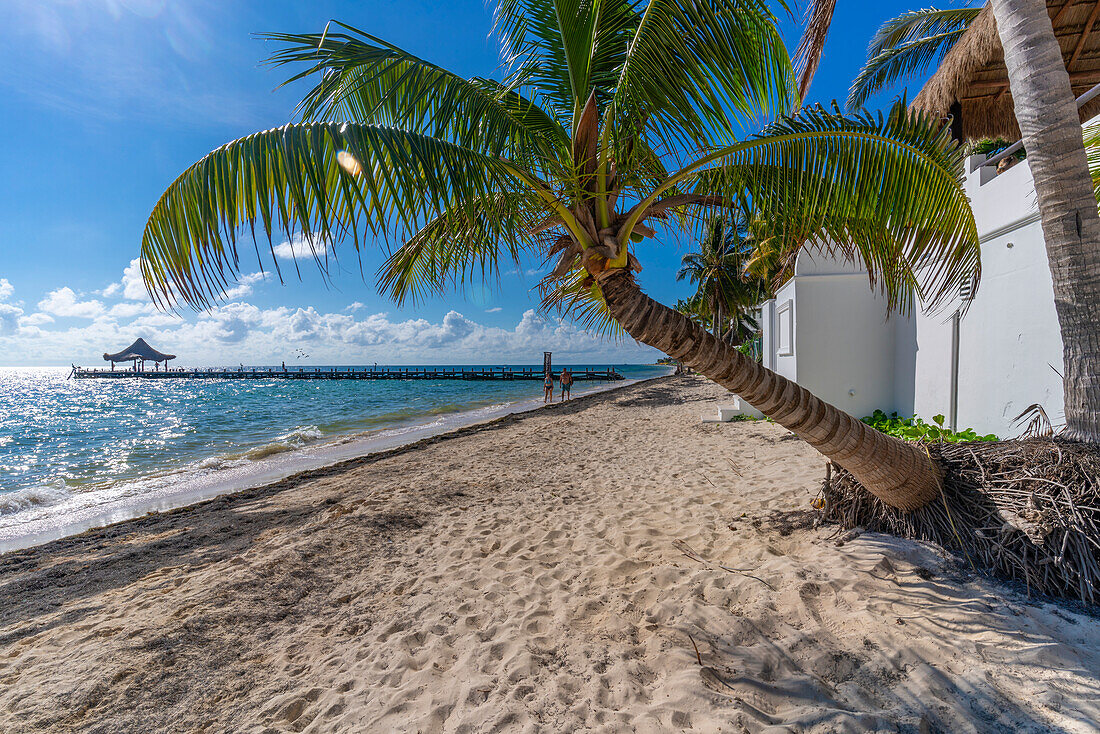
<point x="916" y="429"/>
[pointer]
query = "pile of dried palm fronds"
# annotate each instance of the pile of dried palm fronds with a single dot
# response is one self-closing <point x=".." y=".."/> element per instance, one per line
<point x="1028" y="510"/>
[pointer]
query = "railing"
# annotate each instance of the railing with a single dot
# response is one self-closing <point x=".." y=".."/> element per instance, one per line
<point x="1083" y="100"/>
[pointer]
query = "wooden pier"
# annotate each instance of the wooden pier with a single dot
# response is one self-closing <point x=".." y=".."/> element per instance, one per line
<point x="342" y="373"/>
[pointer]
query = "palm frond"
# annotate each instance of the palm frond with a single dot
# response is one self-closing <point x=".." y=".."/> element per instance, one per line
<point x="469" y="242"/>
<point x="885" y="190"/>
<point x="575" y="297"/>
<point x="361" y="78"/>
<point x="700" y="71"/>
<point x="322" y="180"/>
<point x="819" y="16"/>
<point x="1092" y="152"/>
<point x="906" y="45"/>
<point x="917" y="24"/>
<point x="569" y="49"/>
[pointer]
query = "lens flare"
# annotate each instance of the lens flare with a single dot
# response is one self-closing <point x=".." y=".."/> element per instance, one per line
<point x="348" y="162"/>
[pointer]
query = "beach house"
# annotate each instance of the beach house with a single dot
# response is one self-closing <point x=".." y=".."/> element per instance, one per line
<point x="979" y="360"/>
<point x="996" y="349"/>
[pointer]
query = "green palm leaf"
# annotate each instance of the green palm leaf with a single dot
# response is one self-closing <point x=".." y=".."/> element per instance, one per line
<point x="569" y="49"/>
<point x="701" y="70"/>
<point x="325" y="180"/>
<point x="362" y="78"/>
<point x="456" y="246"/>
<point x="1092" y="151"/>
<point x="574" y="297"/>
<point x="886" y="190"/>
<point x="908" y="44"/>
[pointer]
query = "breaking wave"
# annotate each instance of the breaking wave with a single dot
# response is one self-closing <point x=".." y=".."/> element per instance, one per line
<point x="25" y="499"/>
<point x="296" y="439"/>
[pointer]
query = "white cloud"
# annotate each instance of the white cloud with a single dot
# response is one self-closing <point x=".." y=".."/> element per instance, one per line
<point x="243" y="287"/>
<point x="299" y="246"/>
<point x="36" y="319"/>
<point x="130" y="310"/>
<point x="494" y="309"/>
<point x="133" y="287"/>
<point x="241" y="331"/>
<point x="6" y="289"/>
<point x="110" y="290"/>
<point x="355" y="306"/>
<point x="9" y="318"/>
<point x="63" y="302"/>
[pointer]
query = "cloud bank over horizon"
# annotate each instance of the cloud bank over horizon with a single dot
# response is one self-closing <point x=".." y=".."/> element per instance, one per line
<point x="66" y="326"/>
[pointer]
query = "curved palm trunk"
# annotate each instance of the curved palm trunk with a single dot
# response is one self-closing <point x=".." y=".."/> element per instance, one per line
<point x="900" y="474"/>
<point x="1051" y="128"/>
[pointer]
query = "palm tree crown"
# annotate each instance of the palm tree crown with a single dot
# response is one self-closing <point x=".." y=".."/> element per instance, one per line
<point x="724" y="289"/>
<point x="615" y="116"/>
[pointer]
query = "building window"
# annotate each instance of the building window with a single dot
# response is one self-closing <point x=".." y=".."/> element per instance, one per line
<point x="784" y="316"/>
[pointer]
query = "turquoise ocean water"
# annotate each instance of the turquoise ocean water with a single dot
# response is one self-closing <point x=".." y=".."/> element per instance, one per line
<point x="80" y="453"/>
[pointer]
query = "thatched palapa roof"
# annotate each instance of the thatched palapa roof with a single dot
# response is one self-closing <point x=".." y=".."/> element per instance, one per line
<point x="138" y="350"/>
<point x="971" y="83"/>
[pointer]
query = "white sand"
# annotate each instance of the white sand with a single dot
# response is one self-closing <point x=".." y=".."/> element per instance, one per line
<point x="527" y="577"/>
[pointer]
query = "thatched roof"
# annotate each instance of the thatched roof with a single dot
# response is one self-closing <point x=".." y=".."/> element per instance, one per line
<point x="972" y="82"/>
<point x="138" y="350"/>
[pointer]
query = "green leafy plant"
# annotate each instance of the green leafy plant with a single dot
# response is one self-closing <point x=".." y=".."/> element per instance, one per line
<point x="915" y="429"/>
<point x="751" y="348"/>
<point x="991" y="147"/>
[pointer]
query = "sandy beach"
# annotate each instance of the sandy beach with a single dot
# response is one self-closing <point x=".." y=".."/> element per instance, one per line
<point x="611" y="564"/>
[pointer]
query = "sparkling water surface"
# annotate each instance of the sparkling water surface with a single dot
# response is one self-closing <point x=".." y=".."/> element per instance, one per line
<point x="70" y="446"/>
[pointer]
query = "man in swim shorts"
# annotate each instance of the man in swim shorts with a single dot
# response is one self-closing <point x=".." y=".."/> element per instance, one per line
<point x="566" y="381"/>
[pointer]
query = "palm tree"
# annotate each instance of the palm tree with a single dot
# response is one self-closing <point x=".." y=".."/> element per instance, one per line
<point x="615" y="115"/>
<point x="908" y="44"/>
<point x="695" y="310"/>
<point x="718" y="270"/>
<point x="1046" y="111"/>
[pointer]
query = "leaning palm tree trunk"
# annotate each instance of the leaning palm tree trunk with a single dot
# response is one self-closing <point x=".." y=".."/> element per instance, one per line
<point x="1051" y="128"/>
<point x="899" y="473"/>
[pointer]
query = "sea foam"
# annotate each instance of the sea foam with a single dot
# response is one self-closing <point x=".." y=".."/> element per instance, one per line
<point x="296" y="439"/>
<point x="28" y="497"/>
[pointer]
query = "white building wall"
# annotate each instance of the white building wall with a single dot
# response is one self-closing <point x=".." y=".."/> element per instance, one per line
<point x="784" y="322"/>
<point x="1010" y="345"/>
<point x="932" y="364"/>
<point x="841" y="345"/>
<point x="1009" y="352"/>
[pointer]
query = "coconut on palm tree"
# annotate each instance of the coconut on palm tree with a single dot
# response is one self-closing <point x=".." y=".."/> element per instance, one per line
<point x="616" y="118"/>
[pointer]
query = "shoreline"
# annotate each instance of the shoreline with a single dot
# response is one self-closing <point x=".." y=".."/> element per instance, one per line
<point x="609" y="564"/>
<point x="190" y="491"/>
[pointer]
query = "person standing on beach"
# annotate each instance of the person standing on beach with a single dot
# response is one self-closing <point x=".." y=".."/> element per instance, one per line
<point x="548" y="388"/>
<point x="566" y="381"/>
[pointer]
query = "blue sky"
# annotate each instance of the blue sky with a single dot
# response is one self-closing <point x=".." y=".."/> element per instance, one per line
<point x="104" y="102"/>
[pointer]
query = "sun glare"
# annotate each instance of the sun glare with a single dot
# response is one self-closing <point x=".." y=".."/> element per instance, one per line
<point x="348" y="162"/>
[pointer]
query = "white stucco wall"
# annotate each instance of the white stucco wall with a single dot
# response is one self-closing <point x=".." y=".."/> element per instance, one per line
<point x="845" y="350"/>
<point x="1010" y="345"/>
<point x="932" y="364"/>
